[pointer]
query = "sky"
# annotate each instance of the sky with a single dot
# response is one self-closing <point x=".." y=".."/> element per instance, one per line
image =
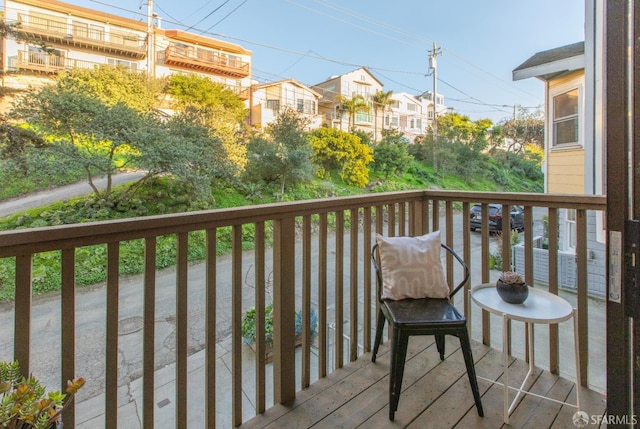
<point x="481" y="42"/>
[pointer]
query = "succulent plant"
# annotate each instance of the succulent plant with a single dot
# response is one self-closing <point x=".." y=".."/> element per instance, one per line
<point x="511" y="278"/>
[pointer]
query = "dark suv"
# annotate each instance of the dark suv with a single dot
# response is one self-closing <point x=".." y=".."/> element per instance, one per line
<point x="495" y="217"/>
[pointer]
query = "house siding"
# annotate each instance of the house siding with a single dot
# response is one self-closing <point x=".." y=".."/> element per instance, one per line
<point x="566" y="172"/>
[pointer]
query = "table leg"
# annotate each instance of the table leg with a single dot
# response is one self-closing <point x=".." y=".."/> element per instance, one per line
<point x="505" y="350"/>
<point x="577" y="359"/>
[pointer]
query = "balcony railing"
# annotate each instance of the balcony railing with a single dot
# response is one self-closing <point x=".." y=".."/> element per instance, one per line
<point x="304" y="255"/>
<point x="56" y="30"/>
<point x="208" y="61"/>
<point x="51" y="63"/>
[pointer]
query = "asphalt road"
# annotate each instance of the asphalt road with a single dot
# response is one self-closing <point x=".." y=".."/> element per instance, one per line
<point x="38" y="199"/>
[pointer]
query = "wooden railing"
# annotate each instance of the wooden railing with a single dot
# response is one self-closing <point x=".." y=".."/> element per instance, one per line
<point x="52" y="63"/>
<point x="59" y="30"/>
<point x="207" y="60"/>
<point x="307" y="255"/>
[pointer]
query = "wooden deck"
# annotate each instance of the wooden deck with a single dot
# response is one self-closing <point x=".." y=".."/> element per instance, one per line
<point x="435" y="394"/>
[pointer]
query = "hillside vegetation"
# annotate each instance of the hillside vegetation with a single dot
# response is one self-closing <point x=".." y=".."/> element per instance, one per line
<point x="203" y="157"/>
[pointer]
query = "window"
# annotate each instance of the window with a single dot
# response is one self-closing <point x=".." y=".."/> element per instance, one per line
<point x="565" y="118"/>
<point x="571" y="228"/>
<point x="273" y="105"/>
<point x="300" y="105"/>
<point x="128" y="64"/>
<point x="412" y="107"/>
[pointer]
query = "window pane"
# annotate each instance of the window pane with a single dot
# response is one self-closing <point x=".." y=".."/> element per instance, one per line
<point x="565" y="104"/>
<point x="565" y="131"/>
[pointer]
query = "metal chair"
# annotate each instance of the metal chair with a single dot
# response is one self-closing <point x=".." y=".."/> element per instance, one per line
<point x="425" y="316"/>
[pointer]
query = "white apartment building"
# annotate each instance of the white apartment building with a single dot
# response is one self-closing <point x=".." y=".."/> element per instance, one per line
<point x="78" y="37"/>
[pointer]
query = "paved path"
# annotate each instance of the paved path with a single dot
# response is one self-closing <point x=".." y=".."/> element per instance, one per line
<point x="41" y="198"/>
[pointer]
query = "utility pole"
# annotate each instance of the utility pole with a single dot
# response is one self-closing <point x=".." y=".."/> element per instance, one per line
<point x="434" y="66"/>
<point x="151" y="66"/>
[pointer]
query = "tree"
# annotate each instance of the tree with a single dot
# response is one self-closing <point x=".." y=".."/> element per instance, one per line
<point x="381" y="100"/>
<point x="283" y="152"/>
<point x="527" y="129"/>
<point x="460" y="128"/>
<point x="102" y="139"/>
<point x="221" y="110"/>
<point x="391" y="155"/>
<point x="356" y="104"/>
<point x="341" y="152"/>
<point x="113" y="85"/>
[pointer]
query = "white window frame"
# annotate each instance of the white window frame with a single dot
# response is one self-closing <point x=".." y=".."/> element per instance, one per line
<point x="558" y="91"/>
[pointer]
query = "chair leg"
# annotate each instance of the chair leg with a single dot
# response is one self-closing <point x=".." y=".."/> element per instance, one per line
<point x="440" y="345"/>
<point x="399" y="343"/>
<point x="379" y="329"/>
<point x="471" y="371"/>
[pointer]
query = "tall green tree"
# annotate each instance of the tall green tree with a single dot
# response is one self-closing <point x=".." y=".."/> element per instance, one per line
<point x="102" y="139"/>
<point x="381" y="101"/>
<point x="391" y="155"/>
<point x="354" y="105"/>
<point x="113" y="85"/>
<point x="283" y="153"/>
<point x="527" y="128"/>
<point x="221" y="110"/>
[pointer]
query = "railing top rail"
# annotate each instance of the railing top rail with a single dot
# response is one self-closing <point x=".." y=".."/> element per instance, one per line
<point x="568" y="201"/>
<point x="69" y="236"/>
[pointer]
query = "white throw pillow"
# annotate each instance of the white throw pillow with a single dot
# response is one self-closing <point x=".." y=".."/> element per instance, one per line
<point x="411" y="267"/>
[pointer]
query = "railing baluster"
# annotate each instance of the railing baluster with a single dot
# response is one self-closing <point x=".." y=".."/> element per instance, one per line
<point x="236" y="323"/>
<point x="22" y="314"/>
<point x="210" y="329"/>
<point x="260" y="289"/>
<point x="466" y="254"/>
<point x="148" y="401"/>
<point x="182" y="323"/>
<point x="449" y="240"/>
<point x="366" y="273"/>
<point x="391" y="220"/>
<point x="435" y="216"/>
<point x="484" y="232"/>
<point x="583" y="287"/>
<point x="111" y="355"/>
<point x="68" y="310"/>
<point x="306" y="302"/>
<point x="339" y="287"/>
<point x="552" y="219"/>
<point x="402" y="222"/>
<point x="353" y="284"/>
<point x="322" y="296"/>
<point x="284" y="364"/>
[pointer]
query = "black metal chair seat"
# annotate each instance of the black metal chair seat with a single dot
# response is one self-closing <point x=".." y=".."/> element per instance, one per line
<point x="424" y="316"/>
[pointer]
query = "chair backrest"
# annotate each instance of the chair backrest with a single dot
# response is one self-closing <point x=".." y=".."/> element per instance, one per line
<point x="375" y="258"/>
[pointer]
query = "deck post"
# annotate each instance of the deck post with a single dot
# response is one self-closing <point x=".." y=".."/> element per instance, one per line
<point x="284" y="310"/>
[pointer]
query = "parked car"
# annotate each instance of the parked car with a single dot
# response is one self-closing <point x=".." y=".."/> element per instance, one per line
<point x="495" y="217"/>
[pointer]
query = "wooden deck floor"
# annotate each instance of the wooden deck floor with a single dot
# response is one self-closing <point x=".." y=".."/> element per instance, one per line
<point x="435" y="394"/>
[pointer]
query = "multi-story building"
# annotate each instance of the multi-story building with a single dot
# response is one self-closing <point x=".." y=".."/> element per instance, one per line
<point x="349" y="85"/>
<point x="269" y="99"/>
<point x="407" y="115"/>
<point x="78" y="37"/>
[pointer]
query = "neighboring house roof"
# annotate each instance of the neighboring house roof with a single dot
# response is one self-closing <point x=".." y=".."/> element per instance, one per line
<point x="338" y="77"/>
<point x="550" y="64"/>
<point x="289" y="81"/>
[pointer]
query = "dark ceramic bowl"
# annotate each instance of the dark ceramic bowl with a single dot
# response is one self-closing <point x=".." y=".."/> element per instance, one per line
<point x="513" y="294"/>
